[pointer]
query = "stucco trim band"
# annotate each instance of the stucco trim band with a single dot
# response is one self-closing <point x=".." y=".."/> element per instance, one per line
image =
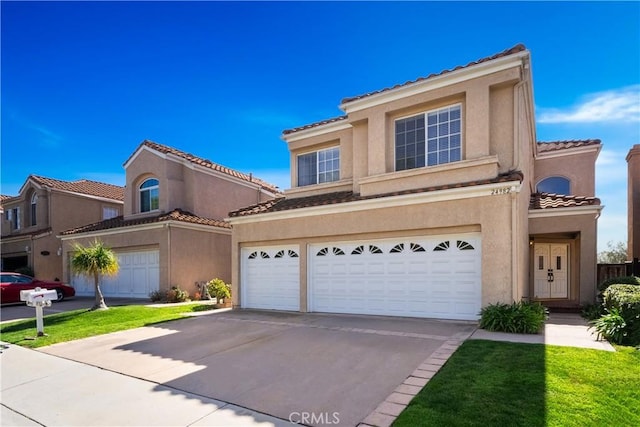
<point x="577" y="210"/>
<point x="386" y="202"/>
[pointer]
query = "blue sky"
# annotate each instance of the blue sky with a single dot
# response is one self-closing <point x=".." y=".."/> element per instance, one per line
<point x="83" y="83"/>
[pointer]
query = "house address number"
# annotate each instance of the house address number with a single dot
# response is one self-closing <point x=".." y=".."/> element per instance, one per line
<point x="503" y="190"/>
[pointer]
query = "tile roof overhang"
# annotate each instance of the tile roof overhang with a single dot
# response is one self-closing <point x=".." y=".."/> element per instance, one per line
<point x="549" y="148"/>
<point x="26" y="235"/>
<point x="547" y="205"/>
<point x="82" y="187"/>
<point x="355" y="103"/>
<point x="205" y="163"/>
<point x="176" y="215"/>
<point x="336" y="198"/>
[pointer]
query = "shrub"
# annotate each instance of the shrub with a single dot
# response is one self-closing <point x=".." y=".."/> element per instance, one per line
<point x="157" y="296"/>
<point x="518" y="317"/>
<point x="219" y="289"/>
<point x="27" y="271"/>
<point x="592" y="311"/>
<point x="623" y="280"/>
<point x="175" y="294"/>
<point x="610" y="326"/>
<point x="624" y="300"/>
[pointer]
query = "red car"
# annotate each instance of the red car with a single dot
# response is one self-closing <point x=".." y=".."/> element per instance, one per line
<point x="13" y="283"/>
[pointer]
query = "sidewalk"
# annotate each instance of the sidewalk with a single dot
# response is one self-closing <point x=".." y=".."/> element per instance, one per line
<point x="562" y="329"/>
<point x="43" y="390"/>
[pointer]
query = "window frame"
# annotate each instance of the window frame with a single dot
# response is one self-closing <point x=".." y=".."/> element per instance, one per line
<point x="34" y="209"/>
<point x="426" y="152"/>
<point x="320" y="175"/>
<point x="567" y="181"/>
<point x="149" y="189"/>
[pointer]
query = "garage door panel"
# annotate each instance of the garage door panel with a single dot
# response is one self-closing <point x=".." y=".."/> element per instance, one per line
<point x="421" y="276"/>
<point x="271" y="277"/>
<point x="138" y="276"/>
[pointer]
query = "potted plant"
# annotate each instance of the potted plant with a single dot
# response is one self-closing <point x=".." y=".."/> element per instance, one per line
<point x="221" y="291"/>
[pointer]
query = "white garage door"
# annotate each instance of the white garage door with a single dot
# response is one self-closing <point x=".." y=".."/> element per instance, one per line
<point x="436" y="277"/>
<point x="138" y="276"/>
<point x="271" y="278"/>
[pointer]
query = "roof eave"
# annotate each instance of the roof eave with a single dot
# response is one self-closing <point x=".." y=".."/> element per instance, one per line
<point x="435" y="82"/>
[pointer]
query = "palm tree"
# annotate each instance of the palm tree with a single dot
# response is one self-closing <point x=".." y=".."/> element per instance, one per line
<point x="95" y="261"/>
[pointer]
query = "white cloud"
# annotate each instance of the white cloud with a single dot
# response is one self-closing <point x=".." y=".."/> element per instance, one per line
<point x="616" y="105"/>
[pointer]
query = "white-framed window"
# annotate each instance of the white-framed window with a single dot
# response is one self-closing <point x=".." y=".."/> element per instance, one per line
<point x="429" y="139"/>
<point x="109" y="212"/>
<point x="554" y="184"/>
<point x="34" y="199"/>
<point x="319" y="166"/>
<point x="149" y="195"/>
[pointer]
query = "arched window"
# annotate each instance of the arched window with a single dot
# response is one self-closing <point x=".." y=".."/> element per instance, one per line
<point x="149" y="195"/>
<point x="555" y="185"/>
<point x="34" y="199"/>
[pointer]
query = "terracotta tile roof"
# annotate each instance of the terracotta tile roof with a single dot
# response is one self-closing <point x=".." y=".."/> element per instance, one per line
<point x="27" y="233"/>
<point x="83" y="186"/>
<point x="515" y="49"/>
<point x="546" y="146"/>
<point x="174" y="215"/>
<point x="283" y="204"/>
<point x="207" y="164"/>
<point x="313" y="125"/>
<point x="550" y="201"/>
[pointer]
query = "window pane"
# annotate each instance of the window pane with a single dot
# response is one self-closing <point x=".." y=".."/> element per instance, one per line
<point x="145" y="204"/>
<point x="443" y="143"/>
<point x="432" y="159"/>
<point x="454" y="113"/>
<point x="149" y="183"/>
<point x="432" y="118"/>
<point x="454" y="141"/>
<point x="556" y="185"/>
<point x="444" y="128"/>
<point x="455" y="155"/>
<point x="307" y="173"/>
<point x="433" y="131"/>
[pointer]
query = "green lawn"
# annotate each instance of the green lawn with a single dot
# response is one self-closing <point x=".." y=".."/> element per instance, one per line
<point x="83" y="323"/>
<point x="504" y="384"/>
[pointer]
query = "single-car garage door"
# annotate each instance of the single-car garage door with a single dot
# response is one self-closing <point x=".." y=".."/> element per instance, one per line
<point x="436" y="277"/>
<point x="138" y="276"/>
<point x="271" y="278"/>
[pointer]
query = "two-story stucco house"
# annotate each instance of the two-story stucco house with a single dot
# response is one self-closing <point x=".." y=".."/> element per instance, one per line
<point x="172" y="231"/>
<point x="44" y="208"/>
<point x="431" y="198"/>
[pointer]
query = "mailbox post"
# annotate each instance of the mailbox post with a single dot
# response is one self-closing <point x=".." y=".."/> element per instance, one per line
<point x="39" y="298"/>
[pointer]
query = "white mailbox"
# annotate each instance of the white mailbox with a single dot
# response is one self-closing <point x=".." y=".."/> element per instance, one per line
<point x="38" y="296"/>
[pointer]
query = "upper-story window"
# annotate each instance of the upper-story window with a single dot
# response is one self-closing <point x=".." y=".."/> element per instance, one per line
<point x="109" y="212"/>
<point x="34" y="199"/>
<point x="149" y="195"/>
<point x="555" y="184"/>
<point x="13" y="216"/>
<point x="429" y="139"/>
<point x="319" y="166"/>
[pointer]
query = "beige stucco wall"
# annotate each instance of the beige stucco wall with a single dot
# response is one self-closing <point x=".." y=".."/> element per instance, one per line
<point x="633" y="190"/>
<point x="491" y="215"/>
<point x="578" y="168"/>
<point x="187" y="255"/>
<point x="204" y="193"/>
<point x="584" y="229"/>
<point x="367" y="149"/>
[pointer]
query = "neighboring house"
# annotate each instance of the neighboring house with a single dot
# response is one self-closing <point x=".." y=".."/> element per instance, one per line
<point x="171" y="232"/>
<point x="43" y="209"/>
<point x="429" y="199"/>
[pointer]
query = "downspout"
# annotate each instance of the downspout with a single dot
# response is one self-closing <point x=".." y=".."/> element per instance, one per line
<point x="514" y="243"/>
<point x="168" y="255"/>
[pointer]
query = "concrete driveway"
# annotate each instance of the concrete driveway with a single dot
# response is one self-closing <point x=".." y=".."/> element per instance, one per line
<point x="283" y="364"/>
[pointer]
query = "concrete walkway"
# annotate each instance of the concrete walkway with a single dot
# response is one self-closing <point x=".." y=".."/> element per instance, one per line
<point x="564" y="329"/>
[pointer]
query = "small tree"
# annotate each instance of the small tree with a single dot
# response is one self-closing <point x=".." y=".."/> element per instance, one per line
<point x="616" y="254"/>
<point x="95" y="261"/>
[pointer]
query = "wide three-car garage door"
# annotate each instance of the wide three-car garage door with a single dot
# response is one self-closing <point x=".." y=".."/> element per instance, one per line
<point x="138" y="276"/>
<point x="435" y="277"/>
